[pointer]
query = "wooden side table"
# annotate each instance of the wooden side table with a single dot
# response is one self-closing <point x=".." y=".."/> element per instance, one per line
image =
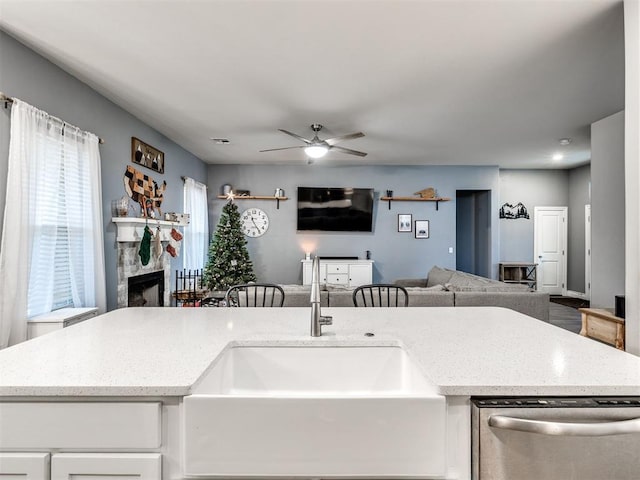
<point x="603" y="325"/>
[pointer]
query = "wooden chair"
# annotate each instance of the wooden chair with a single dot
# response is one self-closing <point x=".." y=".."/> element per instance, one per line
<point x="380" y="295"/>
<point x="255" y="295"/>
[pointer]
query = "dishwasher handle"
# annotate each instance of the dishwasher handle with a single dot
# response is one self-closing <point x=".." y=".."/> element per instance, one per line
<point x="564" y="428"/>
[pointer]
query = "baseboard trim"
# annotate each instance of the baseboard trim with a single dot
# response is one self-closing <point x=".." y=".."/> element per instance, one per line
<point x="571" y="293"/>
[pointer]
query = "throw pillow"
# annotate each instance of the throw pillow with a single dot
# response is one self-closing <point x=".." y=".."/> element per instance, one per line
<point x="439" y="276"/>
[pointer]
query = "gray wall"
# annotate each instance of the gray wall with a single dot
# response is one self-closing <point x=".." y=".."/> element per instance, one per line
<point x="579" y="196"/>
<point x="277" y="254"/>
<point x="534" y="188"/>
<point x="35" y="80"/>
<point x="607" y="210"/>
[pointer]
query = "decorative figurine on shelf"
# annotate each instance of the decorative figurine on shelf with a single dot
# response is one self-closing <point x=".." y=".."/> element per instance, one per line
<point x="427" y="193"/>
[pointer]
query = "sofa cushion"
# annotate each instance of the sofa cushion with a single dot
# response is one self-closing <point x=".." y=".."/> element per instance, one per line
<point x="499" y="287"/>
<point x="300" y="296"/>
<point x="463" y="279"/>
<point x="439" y="276"/>
<point x="534" y="304"/>
<point x="411" y="282"/>
<point x="429" y="297"/>
<point x="341" y="298"/>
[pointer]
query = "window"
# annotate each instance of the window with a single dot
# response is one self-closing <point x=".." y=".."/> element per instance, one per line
<point x="196" y="235"/>
<point x="52" y="247"/>
<point x="62" y="232"/>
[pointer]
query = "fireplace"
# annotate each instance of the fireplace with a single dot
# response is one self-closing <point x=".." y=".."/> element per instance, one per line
<point x="146" y="290"/>
<point x="129" y="267"/>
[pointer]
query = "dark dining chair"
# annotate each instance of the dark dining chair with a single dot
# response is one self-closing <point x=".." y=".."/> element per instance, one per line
<point x="380" y="295"/>
<point x="255" y="295"/>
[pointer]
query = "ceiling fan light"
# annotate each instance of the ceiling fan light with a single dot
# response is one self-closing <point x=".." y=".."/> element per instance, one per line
<point x="316" y="151"/>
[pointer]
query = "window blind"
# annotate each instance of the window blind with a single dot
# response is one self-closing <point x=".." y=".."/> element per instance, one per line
<point x="60" y="224"/>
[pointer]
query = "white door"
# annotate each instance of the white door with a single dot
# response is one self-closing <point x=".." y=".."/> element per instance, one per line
<point x="550" y="243"/>
<point x="360" y="275"/>
<point x="587" y="251"/>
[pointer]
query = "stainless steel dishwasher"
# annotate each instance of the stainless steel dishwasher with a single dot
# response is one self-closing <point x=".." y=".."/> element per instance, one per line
<point x="555" y="438"/>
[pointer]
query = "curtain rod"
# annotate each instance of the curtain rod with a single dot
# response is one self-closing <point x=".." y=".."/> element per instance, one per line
<point x="184" y="179"/>
<point x="4" y="98"/>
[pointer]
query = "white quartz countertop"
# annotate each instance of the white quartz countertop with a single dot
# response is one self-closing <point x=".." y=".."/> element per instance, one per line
<point x="463" y="351"/>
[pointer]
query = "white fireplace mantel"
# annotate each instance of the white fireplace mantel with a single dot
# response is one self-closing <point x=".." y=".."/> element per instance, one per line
<point x="131" y="229"/>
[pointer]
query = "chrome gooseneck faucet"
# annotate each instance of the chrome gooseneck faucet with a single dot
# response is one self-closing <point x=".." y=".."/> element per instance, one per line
<point x="317" y="320"/>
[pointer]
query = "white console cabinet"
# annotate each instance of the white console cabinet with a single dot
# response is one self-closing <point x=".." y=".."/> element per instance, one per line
<point x="340" y="272"/>
<point x="65" y="317"/>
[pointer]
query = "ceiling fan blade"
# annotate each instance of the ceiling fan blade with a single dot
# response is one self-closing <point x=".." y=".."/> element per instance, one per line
<point x="283" y="148"/>
<point x="332" y="141"/>
<point x="295" y="135"/>
<point x="349" y="151"/>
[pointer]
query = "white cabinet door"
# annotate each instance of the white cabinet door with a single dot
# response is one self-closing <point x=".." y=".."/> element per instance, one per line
<point x="360" y="275"/>
<point x="24" y="466"/>
<point x="106" y="466"/>
<point x="307" y="272"/>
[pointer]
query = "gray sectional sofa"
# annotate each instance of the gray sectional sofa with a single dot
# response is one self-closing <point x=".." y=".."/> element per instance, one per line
<point x="473" y="291"/>
<point x="442" y="288"/>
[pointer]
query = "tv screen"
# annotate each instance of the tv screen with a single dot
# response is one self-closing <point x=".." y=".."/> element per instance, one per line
<point x="335" y="209"/>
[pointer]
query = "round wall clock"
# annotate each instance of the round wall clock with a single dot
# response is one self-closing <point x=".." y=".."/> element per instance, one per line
<point x="254" y="222"/>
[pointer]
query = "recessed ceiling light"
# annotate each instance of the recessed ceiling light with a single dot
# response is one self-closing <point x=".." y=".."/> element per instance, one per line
<point x="565" y="141"/>
<point x="220" y="141"/>
<point x="557" y="156"/>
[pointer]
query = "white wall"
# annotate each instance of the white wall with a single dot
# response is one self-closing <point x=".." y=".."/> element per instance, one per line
<point x="607" y="210"/>
<point x="632" y="159"/>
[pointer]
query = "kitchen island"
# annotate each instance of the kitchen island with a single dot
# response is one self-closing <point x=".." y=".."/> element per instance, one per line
<point x="109" y="391"/>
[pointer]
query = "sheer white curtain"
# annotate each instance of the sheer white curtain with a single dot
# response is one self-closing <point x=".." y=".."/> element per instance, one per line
<point x="52" y="250"/>
<point x="196" y="235"/>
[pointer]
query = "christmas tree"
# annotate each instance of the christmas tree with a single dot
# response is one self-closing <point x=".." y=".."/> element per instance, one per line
<point x="228" y="261"/>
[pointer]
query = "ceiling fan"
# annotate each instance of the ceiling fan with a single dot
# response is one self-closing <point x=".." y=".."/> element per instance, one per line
<point x="317" y="148"/>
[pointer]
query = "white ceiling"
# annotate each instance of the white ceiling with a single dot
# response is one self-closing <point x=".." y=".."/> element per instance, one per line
<point x="455" y="82"/>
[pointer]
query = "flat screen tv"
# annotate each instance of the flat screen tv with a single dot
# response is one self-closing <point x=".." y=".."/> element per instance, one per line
<point x="335" y="209"/>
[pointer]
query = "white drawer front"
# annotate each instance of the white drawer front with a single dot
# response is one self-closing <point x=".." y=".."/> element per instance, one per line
<point x="106" y="466"/>
<point x="337" y="268"/>
<point x="338" y="279"/>
<point x="80" y="425"/>
<point x="24" y="466"/>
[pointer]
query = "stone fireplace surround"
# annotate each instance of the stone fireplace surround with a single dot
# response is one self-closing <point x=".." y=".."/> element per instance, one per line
<point x="129" y="265"/>
<point x="129" y="235"/>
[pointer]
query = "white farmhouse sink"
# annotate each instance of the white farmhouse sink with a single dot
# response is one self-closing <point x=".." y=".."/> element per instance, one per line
<point x="314" y="412"/>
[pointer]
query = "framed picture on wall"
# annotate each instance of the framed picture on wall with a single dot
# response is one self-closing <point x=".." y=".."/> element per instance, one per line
<point x="422" y="228"/>
<point x="404" y="222"/>
<point x="146" y="155"/>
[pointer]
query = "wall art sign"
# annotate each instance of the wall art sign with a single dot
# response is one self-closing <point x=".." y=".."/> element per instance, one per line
<point x="513" y="211"/>
<point x="422" y="228"/>
<point x="146" y="155"/>
<point x="144" y="190"/>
